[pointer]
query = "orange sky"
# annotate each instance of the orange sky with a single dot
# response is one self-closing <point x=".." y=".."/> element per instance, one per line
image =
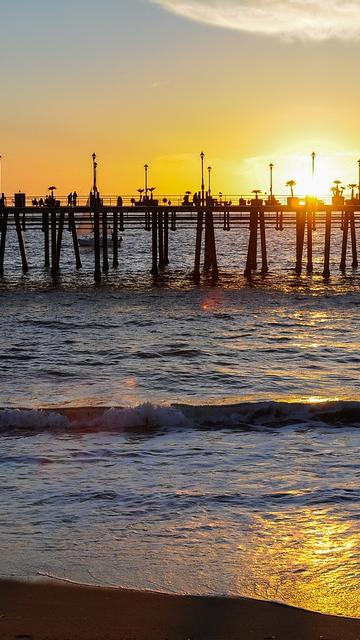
<point x="137" y="83"/>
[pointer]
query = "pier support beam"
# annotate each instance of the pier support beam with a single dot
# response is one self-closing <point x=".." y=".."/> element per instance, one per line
<point x="300" y="236"/>
<point x="208" y="241"/>
<point x="45" y="230"/>
<point x="59" y="239"/>
<point x="97" y="257"/>
<point x="53" y="223"/>
<point x="105" y="242"/>
<point x="115" y="239"/>
<point x="154" y="229"/>
<point x="345" y="228"/>
<point x="72" y="227"/>
<point x="213" y="255"/>
<point x="161" y="240"/>
<point x="251" y="260"/>
<point x="4" y="224"/>
<point x="355" y="263"/>
<point x="326" y="271"/>
<point x="210" y="257"/>
<point x="264" y="262"/>
<point x="166" y="238"/>
<point x="310" y="226"/>
<point x="199" y="232"/>
<point x="20" y="237"/>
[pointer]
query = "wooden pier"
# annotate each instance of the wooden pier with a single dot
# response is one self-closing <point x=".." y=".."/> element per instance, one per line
<point x="252" y="217"/>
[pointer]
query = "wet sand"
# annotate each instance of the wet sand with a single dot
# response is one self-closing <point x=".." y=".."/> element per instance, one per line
<point x="59" y="611"/>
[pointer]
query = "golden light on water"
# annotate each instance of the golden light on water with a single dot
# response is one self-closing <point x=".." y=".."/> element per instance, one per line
<point x="308" y="559"/>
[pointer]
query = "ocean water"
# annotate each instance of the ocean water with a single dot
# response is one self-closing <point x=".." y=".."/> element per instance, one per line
<point x="217" y="451"/>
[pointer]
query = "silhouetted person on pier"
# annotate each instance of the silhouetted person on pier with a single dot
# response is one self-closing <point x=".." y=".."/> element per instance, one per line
<point x="70" y="199"/>
<point x="34" y="202"/>
<point x="41" y="202"/>
<point x="74" y="199"/>
<point x="195" y="199"/>
<point x="119" y="201"/>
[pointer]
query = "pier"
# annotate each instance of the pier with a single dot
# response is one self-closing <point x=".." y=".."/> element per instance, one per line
<point x="109" y="218"/>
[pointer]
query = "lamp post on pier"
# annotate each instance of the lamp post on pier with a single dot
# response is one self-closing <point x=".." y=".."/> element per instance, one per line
<point x="271" y="167"/>
<point x="146" y="169"/>
<point x="209" y="172"/>
<point x="1" y="181"/>
<point x="95" y="190"/>
<point x="202" y="156"/>
<point x="358" y="183"/>
<point x="313" y="156"/>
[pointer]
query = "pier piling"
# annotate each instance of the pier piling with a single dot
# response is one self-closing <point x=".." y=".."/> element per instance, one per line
<point x="310" y="226"/>
<point x="105" y="265"/>
<point x="355" y="263"/>
<point x="53" y="223"/>
<point x="45" y="230"/>
<point x="345" y="228"/>
<point x="19" y="232"/>
<point x="115" y="239"/>
<point x="326" y="271"/>
<point x="199" y="232"/>
<point x="154" y="225"/>
<point x="59" y="239"/>
<point x="72" y="227"/>
<point x="161" y="240"/>
<point x="264" y="262"/>
<point x="300" y="237"/>
<point x="251" y="260"/>
<point x="166" y="238"/>
<point x="4" y="224"/>
<point x="97" y="257"/>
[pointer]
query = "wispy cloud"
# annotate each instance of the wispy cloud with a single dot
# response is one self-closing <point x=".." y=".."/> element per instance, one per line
<point x="304" y="19"/>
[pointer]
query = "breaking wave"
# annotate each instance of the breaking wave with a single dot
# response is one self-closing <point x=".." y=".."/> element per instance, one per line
<point x="147" y="416"/>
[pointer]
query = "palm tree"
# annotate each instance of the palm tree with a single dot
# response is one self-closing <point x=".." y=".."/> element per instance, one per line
<point x="352" y="187"/>
<point x="151" y="189"/>
<point x="291" y="184"/>
<point x="337" y="190"/>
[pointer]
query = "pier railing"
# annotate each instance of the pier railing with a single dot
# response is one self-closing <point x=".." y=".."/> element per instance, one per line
<point x="176" y="200"/>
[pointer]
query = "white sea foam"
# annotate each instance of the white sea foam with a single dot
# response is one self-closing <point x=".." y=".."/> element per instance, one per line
<point x="256" y="415"/>
<point x="32" y="419"/>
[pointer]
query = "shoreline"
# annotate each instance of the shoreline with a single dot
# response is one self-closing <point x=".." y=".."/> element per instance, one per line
<point x="56" y="610"/>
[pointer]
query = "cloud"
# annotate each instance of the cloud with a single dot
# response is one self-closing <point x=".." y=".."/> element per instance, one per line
<point x="292" y="19"/>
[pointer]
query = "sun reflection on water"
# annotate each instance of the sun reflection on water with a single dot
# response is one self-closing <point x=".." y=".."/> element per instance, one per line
<point x="309" y="559"/>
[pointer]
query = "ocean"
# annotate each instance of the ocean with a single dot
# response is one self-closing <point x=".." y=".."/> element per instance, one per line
<point x="189" y="439"/>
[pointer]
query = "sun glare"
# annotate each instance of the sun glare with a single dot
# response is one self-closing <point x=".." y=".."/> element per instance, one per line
<point x="318" y="184"/>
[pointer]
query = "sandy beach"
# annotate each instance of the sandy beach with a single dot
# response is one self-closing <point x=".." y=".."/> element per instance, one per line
<point x="60" y="611"/>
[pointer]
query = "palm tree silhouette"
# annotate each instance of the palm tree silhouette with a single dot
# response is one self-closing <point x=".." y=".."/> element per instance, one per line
<point x="291" y="184"/>
<point x="337" y="190"/>
<point x="352" y="187"/>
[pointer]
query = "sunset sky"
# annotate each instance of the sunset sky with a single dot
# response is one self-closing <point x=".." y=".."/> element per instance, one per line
<point x="157" y="81"/>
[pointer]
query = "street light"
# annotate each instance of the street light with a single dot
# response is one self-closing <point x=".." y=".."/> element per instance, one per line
<point x="313" y="156"/>
<point x="94" y="173"/>
<point x="202" y="156"/>
<point x="358" y="184"/>
<point x="146" y="168"/>
<point x="209" y="172"/>
<point x="0" y="175"/>
<point x="271" y="166"/>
